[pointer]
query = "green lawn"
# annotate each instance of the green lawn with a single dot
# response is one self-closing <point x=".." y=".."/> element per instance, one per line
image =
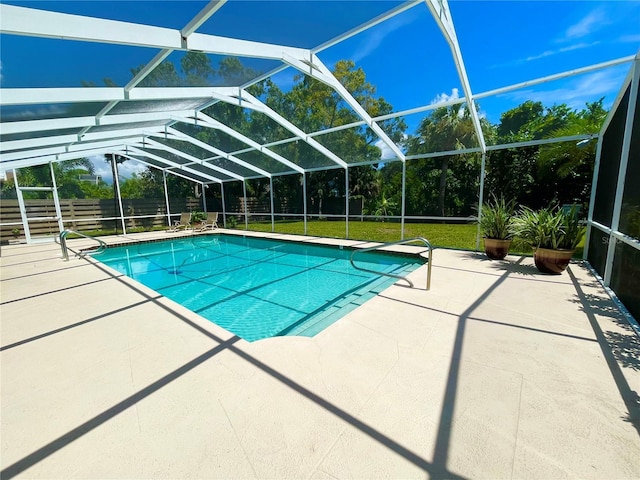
<point x="440" y="235"/>
<point x="460" y="236"/>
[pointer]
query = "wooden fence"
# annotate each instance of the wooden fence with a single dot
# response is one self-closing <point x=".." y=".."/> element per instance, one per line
<point x="88" y="214"/>
<point x="85" y="215"/>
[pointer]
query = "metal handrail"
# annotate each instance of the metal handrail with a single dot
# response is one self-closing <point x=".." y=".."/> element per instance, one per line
<point x="65" y="250"/>
<point x="401" y="242"/>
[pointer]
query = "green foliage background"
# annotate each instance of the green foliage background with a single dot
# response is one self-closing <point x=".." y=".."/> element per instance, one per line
<point x="444" y="186"/>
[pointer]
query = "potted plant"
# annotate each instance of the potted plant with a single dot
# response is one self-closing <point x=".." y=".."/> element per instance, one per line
<point x="495" y="224"/>
<point x="15" y="232"/>
<point x="197" y="217"/>
<point x="553" y="233"/>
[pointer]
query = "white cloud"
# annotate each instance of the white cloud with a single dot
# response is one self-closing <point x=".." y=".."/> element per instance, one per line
<point x="128" y="168"/>
<point x="100" y="166"/>
<point x="548" y="53"/>
<point x="373" y="38"/>
<point x="45" y="111"/>
<point x="576" y="92"/>
<point x="385" y="152"/>
<point x="630" y="39"/>
<point x="589" y="24"/>
<point x="125" y="170"/>
<point x="443" y="97"/>
<point x="595" y="20"/>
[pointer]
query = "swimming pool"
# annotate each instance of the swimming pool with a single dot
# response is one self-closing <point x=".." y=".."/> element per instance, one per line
<point x="258" y="288"/>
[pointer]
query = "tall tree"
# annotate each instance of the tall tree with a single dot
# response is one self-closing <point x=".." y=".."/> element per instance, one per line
<point x="313" y="106"/>
<point x="539" y="175"/>
<point x="67" y="179"/>
<point x="446" y="129"/>
<point x="197" y="69"/>
<point x="566" y="158"/>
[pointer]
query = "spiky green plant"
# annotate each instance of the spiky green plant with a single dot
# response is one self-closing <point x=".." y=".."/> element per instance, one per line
<point x="549" y="227"/>
<point x="573" y="229"/>
<point x="496" y="219"/>
<point x="198" y="217"/>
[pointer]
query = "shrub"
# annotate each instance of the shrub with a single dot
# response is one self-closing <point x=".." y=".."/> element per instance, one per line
<point x="549" y="227"/>
<point x="496" y="219"/>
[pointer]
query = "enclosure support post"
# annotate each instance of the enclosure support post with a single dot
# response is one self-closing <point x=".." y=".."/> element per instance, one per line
<point x="481" y="197"/>
<point x="246" y="210"/>
<point x="166" y="196"/>
<point x="622" y="171"/>
<point x="403" y="200"/>
<point x="273" y="223"/>
<point x="23" y="210"/>
<point x="204" y="198"/>
<point x="114" y="166"/>
<point x="346" y="200"/>
<point x="594" y="185"/>
<point x="224" y="210"/>
<point x="304" y="199"/>
<point x="56" y="199"/>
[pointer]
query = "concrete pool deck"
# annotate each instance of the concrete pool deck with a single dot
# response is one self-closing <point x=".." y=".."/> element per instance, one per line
<point x="496" y="372"/>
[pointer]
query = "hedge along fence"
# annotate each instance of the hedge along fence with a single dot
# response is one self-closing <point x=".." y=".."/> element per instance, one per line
<point x="87" y="214"/>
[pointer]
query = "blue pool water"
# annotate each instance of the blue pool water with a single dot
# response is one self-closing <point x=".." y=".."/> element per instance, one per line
<point x="258" y="288"/>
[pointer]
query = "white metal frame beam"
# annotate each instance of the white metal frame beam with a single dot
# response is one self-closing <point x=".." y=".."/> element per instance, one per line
<point x="622" y="171"/>
<point x="126" y="153"/>
<point x="42" y="23"/>
<point x="61" y="157"/>
<point x="442" y="15"/>
<point x="150" y="143"/>
<point x="164" y="161"/>
<point x="316" y="69"/>
<point x="77" y="139"/>
<point x="596" y="168"/>
<point x="202" y="120"/>
<point x="194" y="141"/>
<point x="28" y="96"/>
<point x="77" y="150"/>
<point x="205" y="120"/>
<point x="244" y="99"/>
<point x="121" y="147"/>
<point x="28" y="126"/>
<point x="212" y="7"/>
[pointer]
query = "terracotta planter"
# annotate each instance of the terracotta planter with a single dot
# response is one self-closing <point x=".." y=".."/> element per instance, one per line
<point x="496" y="249"/>
<point x="552" y="261"/>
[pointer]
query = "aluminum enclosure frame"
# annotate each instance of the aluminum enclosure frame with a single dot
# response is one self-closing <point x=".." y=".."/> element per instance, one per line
<point x="42" y="149"/>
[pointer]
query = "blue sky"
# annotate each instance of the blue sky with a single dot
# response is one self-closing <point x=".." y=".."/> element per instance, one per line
<point x="502" y="43"/>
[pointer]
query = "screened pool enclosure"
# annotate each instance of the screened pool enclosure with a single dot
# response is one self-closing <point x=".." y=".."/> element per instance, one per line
<point x="263" y="108"/>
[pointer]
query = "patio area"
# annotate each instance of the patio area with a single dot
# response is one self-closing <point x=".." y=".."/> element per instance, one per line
<point x="496" y="372"/>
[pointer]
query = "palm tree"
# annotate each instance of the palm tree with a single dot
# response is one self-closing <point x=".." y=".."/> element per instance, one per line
<point x="385" y="207"/>
<point x="447" y="128"/>
<point x="66" y="174"/>
<point x="567" y="157"/>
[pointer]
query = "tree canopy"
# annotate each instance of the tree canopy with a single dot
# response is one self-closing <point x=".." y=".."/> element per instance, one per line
<point x="437" y="185"/>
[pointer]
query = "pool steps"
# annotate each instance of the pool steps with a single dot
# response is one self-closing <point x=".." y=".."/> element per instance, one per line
<point x="344" y="305"/>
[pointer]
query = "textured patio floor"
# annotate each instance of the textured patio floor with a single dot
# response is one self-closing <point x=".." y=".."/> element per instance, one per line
<point x="496" y="372"/>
